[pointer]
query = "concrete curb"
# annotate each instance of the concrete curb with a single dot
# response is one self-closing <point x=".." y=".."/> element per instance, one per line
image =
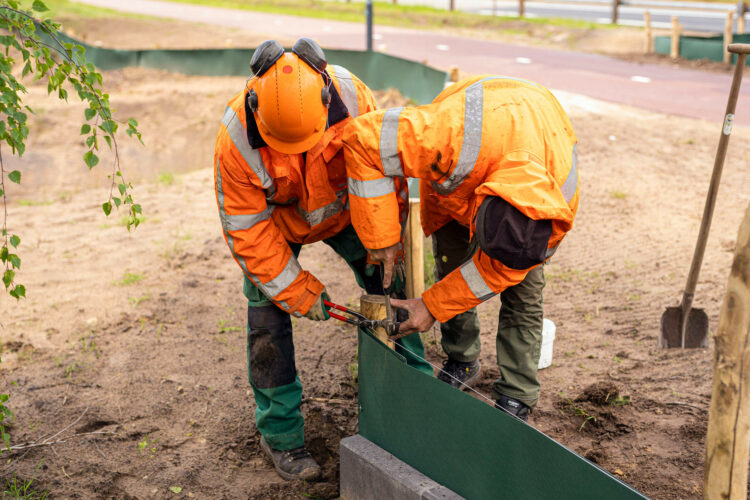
<point x="368" y="472"/>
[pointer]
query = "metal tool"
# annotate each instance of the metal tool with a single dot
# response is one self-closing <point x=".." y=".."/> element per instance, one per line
<point x="360" y="321"/>
<point x="386" y="294"/>
<point x="684" y="326"/>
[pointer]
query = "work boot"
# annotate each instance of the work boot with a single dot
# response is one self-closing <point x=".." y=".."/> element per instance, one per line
<point x="514" y="407"/>
<point x="459" y="374"/>
<point x="292" y="464"/>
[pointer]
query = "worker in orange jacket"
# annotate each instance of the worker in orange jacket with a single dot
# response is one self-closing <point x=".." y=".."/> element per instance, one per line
<point x="280" y="183"/>
<point x="496" y="160"/>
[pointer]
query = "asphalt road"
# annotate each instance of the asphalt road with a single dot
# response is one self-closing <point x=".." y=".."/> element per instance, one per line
<point x="597" y="11"/>
<point x="690" y="93"/>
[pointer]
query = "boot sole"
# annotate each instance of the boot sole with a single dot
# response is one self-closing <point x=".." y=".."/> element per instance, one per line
<point x="312" y="473"/>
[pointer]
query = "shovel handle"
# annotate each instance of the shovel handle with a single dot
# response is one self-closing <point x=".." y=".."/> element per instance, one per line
<point x="741" y="50"/>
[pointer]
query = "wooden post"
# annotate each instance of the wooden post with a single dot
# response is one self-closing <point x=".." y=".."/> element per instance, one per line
<point x="414" y="245"/>
<point x="522" y="8"/>
<point x="741" y="9"/>
<point x="453" y="73"/>
<point x="615" y="8"/>
<point x="674" y="48"/>
<point x="649" y="44"/>
<point x="373" y="307"/>
<point x="728" y="37"/>
<point x="452" y="5"/>
<point x="728" y="437"/>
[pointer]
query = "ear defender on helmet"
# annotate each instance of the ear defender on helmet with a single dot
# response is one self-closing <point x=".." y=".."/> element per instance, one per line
<point x="325" y="96"/>
<point x="310" y="52"/>
<point x="265" y="56"/>
<point x="252" y="100"/>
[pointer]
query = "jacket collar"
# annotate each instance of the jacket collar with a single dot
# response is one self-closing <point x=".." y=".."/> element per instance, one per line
<point x="336" y="112"/>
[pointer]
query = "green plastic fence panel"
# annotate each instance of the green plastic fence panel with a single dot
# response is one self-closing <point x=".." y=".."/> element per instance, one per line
<point x="379" y="71"/>
<point x="466" y="444"/>
<point x="694" y="47"/>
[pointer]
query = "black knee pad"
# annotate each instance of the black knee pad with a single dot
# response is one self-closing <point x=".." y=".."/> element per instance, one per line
<point x="506" y="234"/>
<point x="270" y="347"/>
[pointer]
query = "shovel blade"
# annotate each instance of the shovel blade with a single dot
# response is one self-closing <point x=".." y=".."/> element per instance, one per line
<point x="696" y="330"/>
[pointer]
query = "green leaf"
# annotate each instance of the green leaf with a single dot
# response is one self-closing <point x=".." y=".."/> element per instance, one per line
<point x="15" y="176"/>
<point x="107" y="207"/>
<point x="89" y="113"/>
<point x="39" y="6"/>
<point x="15" y="241"/>
<point x="4" y="254"/>
<point x="132" y="122"/>
<point x="19" y="291"/>
<point x="15" y="261"/>
<point x="85" y="129"/>
<point x="122" y="188"/>
<point x="8" y="277"/>
<point x="175" y="489"/>
<point x="136" y="208"/>
<point x="91" y="140"/>
<point x="91" y="159"/>
<point x="117" y="201"/>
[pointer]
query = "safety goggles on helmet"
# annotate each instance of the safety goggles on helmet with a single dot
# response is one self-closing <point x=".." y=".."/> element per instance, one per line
<point x="270" y="51"/>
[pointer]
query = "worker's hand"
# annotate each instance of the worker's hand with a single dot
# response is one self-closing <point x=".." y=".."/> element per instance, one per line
<point x="387" y="258"/>
<point x="420" y="318"/>
<point x="318" y="311"/>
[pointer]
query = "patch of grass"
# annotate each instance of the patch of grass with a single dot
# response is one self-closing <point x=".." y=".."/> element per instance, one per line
<point x="633" y="297"/>
<point x="72" y="368"/>
<point x="134" y="301"/>
<point x="21" y="489"/>
<point x="166" y="178"/>
<point x="130" y="278"/>
<point x="620" y="401"/>
<point x="34" y="203"/>
<point x="388" y="14"/>
<point x="224" y="327"/>
<point x="580" y="412"/>
<point x="66" y="8"/>
<point x="617" y="194"/>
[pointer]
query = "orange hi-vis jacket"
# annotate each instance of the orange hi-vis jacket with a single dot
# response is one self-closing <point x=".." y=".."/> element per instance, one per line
<point x="483" y="136"/>
<point x="267" y="198"/>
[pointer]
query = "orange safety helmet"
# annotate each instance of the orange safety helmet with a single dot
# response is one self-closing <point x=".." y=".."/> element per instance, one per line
<point x="291" y="96"/>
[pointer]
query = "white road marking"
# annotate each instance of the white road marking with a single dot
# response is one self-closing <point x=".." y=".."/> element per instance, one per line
<point x="442" y="47"/>
<point x="326" y="28"/>
<point x="377" y="36"/>
<point x="523" y="60"/>
<point x="640" y="79"/>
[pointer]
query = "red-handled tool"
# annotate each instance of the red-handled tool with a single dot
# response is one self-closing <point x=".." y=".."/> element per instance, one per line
<point x="361" y="321"/>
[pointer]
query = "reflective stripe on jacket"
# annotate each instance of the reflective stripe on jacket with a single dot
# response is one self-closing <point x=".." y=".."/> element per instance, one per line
<point x="483" y="136"/>
<point x="267" y="198"/>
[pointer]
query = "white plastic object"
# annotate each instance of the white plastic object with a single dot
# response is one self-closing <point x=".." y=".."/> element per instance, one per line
<point x="548" y="339"/>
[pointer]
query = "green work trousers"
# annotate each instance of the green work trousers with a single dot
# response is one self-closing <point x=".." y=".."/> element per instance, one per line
<point x="519" y="330"/>
<point x="270" y="350"/>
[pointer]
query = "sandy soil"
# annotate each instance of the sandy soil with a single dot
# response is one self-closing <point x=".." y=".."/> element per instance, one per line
<point x="131" y="345"/>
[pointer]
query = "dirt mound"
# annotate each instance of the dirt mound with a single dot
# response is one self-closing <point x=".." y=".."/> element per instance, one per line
<point x="600" y="393"/>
